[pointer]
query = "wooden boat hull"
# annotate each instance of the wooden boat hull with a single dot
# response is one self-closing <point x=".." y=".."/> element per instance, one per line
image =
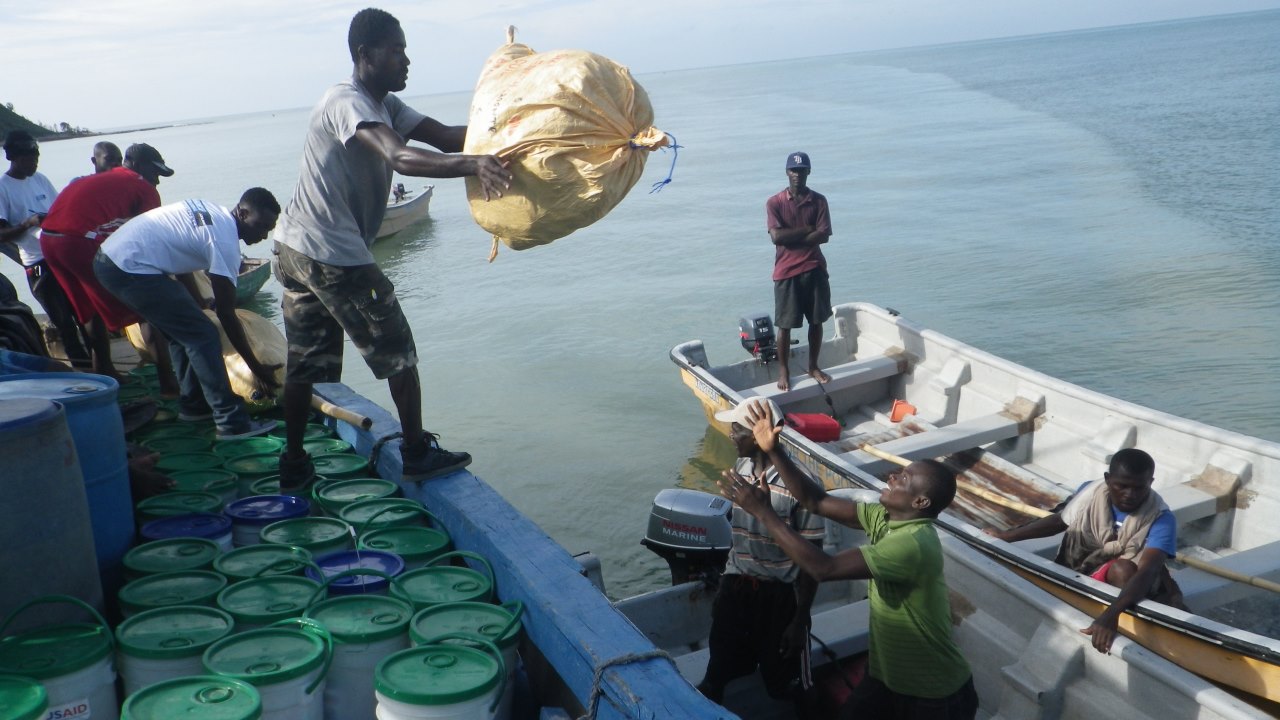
<point x="1009" y="413"/>
<point x="405" y="213"/>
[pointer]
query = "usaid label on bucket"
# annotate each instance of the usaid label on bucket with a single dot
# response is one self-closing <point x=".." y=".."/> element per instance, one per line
<point x="74" y="710"/>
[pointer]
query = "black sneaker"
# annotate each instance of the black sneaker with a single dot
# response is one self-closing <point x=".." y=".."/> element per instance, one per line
<point x="431" y="460"/>
<point x="296" y="475"/>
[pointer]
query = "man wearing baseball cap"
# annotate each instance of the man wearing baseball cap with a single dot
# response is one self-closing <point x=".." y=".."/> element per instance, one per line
<point x="760" y="616"/>
<point x="25" y="198"/>
<point x="799" y="224"/>
<point x="146" y="161"/>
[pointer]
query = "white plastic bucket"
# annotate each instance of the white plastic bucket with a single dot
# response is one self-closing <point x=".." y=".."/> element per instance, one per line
<point x="167" y="643"/>
<point x="365" y="629"/>
<point x="287" y="663"/>
<point x="499" y="624"/>
<point x="441" y="681"/>
<point x="73" y="661"/>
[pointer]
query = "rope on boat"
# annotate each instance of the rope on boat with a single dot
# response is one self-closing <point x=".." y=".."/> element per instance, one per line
<point x="596" y="691"/>
<point x="377" y="448"/>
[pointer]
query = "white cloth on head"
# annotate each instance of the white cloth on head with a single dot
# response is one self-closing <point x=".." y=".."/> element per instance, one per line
<point x="342" y="189"/>
<point x="179" y="238"/>
<point x="19" y="200"/>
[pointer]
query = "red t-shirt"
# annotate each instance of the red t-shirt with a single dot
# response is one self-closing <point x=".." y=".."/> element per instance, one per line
<point x="95" y="200"/>
<point x="782" y="212"/>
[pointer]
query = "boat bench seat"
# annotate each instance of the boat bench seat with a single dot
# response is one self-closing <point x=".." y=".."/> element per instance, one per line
<point x="1188" y="503"/>
<point x="845" y="629"/>
<point x="1202" y="590"/>
<point x="945" y="440"/>
<point x="843" y="376"/>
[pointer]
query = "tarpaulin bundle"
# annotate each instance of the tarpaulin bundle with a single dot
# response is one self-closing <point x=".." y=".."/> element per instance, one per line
<point x="576" y="129"/>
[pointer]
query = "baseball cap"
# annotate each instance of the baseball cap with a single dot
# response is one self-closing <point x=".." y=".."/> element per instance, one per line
<point x="798" y="160"/>
<point x="20" y="142"/>
<point x="143" y="152"/>
<point x="739" y="414"/>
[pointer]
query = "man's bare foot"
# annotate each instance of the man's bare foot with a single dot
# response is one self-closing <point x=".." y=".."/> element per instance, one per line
<point x="784" y="381"/>
<point x="817" y="374"/>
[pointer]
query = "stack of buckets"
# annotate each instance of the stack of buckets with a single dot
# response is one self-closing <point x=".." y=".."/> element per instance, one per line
<point x="340" y="605"/>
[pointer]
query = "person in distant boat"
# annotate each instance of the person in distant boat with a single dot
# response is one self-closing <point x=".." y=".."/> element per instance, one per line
<point x="799" y="223"/>
<point x="80" y="219"/>
<point x="135" y="263"/>
<point x="106" y="157"/>
<point x="398" y="194"/>
<point x="356" y="138"/>
<point x="760" y="616"/>
<point x="1118" y="531"/>
<point x="25" y="197"/>
<point x="915" y="669"/>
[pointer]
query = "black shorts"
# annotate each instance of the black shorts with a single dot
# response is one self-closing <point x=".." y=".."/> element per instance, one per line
<point x="322" y="301"/>
<point x="872" y="699"/>
<point x="748" y="619"/>
<point x="804" y="297"/>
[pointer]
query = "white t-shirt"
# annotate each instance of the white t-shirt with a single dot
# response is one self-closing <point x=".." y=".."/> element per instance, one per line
<point x="19" y="200"/>
<point x="342" y="189"/>
<point x="179" y="238"/>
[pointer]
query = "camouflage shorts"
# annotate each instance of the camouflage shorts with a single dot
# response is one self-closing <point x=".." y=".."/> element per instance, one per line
<point x="322" y="301"/>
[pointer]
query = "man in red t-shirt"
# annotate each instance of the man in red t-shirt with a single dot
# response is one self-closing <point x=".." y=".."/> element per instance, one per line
<point x="799" y="224"/>
<point x="84" y="215"/>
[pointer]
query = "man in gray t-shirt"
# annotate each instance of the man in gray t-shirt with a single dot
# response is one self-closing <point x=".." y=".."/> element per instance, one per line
<point x="356" y="138"/>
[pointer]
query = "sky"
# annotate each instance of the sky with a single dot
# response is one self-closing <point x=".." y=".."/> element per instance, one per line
<point x="104" y="64"/>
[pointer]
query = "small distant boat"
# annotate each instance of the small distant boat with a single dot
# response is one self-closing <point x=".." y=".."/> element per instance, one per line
<point x="403" y="213"/>
<point x="254" y="273"/>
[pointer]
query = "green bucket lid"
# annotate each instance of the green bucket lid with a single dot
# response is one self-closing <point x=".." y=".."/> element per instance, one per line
<point x="178" y="503"/>
<point x="358" y="619"/>
<point x="313" y="431"/>
<point x="403" y="512"/>
<point x="23" y="698"/>
<point x="325" y="445"/>
<point x="213" y="480"/>
<point x="176" y="462"/>
<point x="183" y="553"/>
<point x="177" y="444"/>
<point x="208" y="697"/>
<point x="264" y="600"/>
<point x="188" y="587"/>
<point x="269" y="485"/>
<point x="338" y="494"/>
<point x="440" y="584"/>
<point x="145" y="371"/>
<point x="252" y="467"/>
<point x="436" y="675"/>
<point x="177" y="631"/>
<point x="266" y="656"/>
<point x="132" y="392"/>
<point x="248" y="446"/>
<point x="173" y="429"/>
<point x="317" y="534"/>
<point x="472" y="618"/>
<point x="254" y="560"/>
<point x="414" y="544"/>
<point x="340" y="465"/>
<point x="54" y="651"/>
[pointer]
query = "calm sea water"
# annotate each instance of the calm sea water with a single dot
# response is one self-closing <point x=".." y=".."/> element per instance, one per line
<point x="1097" y="205"/>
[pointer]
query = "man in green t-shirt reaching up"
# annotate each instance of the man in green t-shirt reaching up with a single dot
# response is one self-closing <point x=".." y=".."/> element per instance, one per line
<point x="915" y="669"/>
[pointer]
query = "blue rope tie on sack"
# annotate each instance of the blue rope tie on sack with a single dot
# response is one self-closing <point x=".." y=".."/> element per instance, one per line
<point x="675" y="155"/>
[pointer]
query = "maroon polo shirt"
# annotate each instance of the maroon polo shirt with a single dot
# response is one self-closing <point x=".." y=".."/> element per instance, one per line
<point x="783" y="212"/>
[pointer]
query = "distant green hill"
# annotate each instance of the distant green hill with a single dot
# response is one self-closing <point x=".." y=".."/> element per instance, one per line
<point x="10" y="120"/>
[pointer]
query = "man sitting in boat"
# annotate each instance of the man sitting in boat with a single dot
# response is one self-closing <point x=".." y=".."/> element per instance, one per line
<point x="915" y="669"/>
<point x="760" y="616"/>
<point x="1118" y="531"/>
<point x="398" y="194"/>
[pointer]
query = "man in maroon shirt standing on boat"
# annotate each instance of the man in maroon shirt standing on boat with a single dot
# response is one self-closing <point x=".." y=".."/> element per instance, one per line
<point x="799" y="224"/>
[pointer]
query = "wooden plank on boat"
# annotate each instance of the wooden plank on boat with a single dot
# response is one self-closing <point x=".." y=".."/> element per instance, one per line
<point x="842" y="376"/>
<point x="1204" y="590"/>
<point x="946" y="440"/>
<point x="572" y="624"/>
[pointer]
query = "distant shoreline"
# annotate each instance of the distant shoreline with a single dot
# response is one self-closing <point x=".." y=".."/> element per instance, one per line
<point x="95" y="133"/>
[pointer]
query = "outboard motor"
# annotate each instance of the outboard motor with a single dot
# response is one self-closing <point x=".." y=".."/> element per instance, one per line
<point x="756" y="332"/>
<point x="690" y="530"/>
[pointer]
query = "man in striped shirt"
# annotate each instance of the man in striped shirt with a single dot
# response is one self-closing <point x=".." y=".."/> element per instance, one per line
<point x="915" y="670"/>
<point x="760" y="616"/>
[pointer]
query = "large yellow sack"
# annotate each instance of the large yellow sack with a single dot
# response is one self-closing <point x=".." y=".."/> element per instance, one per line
<point x="576" y="128"/>
<point x="264" y="338"/>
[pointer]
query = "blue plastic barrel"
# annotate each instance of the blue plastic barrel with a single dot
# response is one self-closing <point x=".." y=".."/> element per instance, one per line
<point x="46" y="538"/>
<point x="98" y="433"/>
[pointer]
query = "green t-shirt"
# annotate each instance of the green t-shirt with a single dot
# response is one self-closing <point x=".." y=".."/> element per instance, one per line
<point x="912" y="651"/>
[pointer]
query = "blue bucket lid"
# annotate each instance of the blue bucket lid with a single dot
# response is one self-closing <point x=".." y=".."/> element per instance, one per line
<point x="266" y="509"/>
<point x="336" y="562"/>
<point x="66" y="388"/>
<point x="199" y="525"/>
